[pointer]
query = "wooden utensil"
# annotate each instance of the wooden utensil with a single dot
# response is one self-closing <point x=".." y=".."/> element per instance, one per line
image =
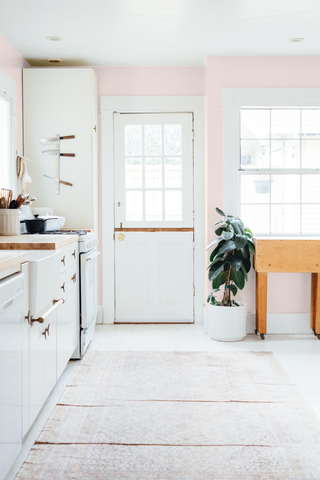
<point x="2" y="202"/>
<point x="60" y="181"/>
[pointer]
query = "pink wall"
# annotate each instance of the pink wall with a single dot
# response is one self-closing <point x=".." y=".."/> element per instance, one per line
<point x="288" y="293"/>
<point x="12" y="63"/>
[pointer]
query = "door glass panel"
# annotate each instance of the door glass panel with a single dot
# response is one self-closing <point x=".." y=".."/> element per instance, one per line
<point x="133" y="140"/>
<point x="133" y="173"/>
<point x="173" y="205"/>
<point x="153" y="173"/>
<point x="172" y="139"/>
<point x="153" y="142"/>
<point x="172" y="172"/>
<point x="134" y="205"/>
<point x="154" y="205"/>
<point x="255" y="123"/>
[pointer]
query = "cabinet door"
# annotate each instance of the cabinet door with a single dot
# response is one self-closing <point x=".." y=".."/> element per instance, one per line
<point x="25" y="354"/>
<point x="37" y="369"/>
<point x="50" y="354"/>
<point x="73" y="307"/>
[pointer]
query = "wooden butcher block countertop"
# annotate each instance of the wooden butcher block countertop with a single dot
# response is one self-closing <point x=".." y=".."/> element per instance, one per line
<point x="36" y="242"/>
<point x="12" y="259"/>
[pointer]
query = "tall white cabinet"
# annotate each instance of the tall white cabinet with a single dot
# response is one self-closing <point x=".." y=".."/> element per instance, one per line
<point x="63" y="101"/>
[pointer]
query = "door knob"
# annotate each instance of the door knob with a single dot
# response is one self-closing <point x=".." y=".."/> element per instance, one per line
<point x="120" y="236"/>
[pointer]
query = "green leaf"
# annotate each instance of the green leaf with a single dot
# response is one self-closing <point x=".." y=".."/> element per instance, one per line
<point x="220" y="212"/>
<point x="244" y="272"/>
<point x="244" y="252"/>
<point x="233" y="289"/>
<point x="247" y="264"/>
<point x="219" y="280"/>
<point x="214" y="252"/>
<point x="227" y="247"/>
<point x="217" y="223"/>
<point x="227" y="235"/>
<point x="215" y="270"/>
<point x="217" y="259"/>
<point x="238" y="226"/>
<point x="235" y="262"/>
<point x="237" y="278"/>
<point x="220" y="230"/>
<point x="214" y="242"/>
<point x="251" y="248"/>
<point x="240" y="241"/>
<point x="213" y="300"/>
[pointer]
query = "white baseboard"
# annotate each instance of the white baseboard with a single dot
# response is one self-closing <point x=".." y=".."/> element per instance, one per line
<point x="198" y="320"/>
<point x="283" y="323"/>
<point x="100" y="315"/>
<point x="108" y="320"/>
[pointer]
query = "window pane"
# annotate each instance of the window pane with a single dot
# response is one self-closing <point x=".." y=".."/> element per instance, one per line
<point x="255" y="154"/>
<point x="133" y="173"/>
<point x="310" y="188"/>
<point x="310" y="153"/>
<point x="173" y="205"/>
<point x="255" y="188"/>
<point x="285" y="154"/>
<point x="133" y="140"/>
<point x="285" y="218"/>
<point x="255" y="124"/>
<point x="134" y="206"/>
<point x="311" y="122"/>
<point x="154" y="205"/>
<point x="285" y="123"/>
<point x="256" y="217"/>
<point x="153" y="140"/>
<point x="153" y="172"/>
<point x="172" y="139"/>
<point x="4" y="143"/>
<point x="285" y="188"/>
<point x="310" y="218"/>
<point x="172" y="172"/>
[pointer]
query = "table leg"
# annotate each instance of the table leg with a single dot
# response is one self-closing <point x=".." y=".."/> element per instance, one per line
<point x="315" y="303"/>
<point x="261" y="302"/>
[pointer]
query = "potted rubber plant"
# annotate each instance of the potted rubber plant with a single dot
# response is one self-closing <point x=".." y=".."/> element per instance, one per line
<point x="228" y="268"/>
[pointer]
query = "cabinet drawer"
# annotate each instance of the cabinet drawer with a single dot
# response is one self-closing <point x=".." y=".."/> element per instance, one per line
<point x="69" y="256"/>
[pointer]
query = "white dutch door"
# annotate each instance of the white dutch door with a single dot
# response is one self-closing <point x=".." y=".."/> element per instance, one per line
<point x="154" y="217"/>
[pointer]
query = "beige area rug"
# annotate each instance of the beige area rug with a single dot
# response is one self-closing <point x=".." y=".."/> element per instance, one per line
<point x="178" y="415"/>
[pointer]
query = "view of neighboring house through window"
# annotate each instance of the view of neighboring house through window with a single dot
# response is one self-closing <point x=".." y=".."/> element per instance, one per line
<point x="4" y="143"/>
<point x="280" y="170"/>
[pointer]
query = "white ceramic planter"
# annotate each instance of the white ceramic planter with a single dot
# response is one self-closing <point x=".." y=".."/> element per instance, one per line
<point x="227" y="324"/>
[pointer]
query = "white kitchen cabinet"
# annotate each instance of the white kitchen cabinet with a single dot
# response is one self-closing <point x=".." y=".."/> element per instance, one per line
<point x="63" y="101"/>
<point x="25" y="353"/>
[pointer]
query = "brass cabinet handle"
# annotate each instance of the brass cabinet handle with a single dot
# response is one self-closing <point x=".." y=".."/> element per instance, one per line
<point x="95" y="128"/>
<point x="47" y="329"/>
<point x="27" y="317"/>
<point x="74" y="278"/>
<point x="45" y="333"/>
<point x="63" y="260"/>
<point x="63" y="288"/>
<point x="74" y="254"/>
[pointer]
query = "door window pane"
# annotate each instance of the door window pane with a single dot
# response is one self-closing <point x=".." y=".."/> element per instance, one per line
<point x="133" y="140"/>
<point x="173" y="205"/>
<point x="285" y="154"/>
<point x="153" y="172"/>
<point x="133" y="173"/>
<point x="154" y="205"/>
<point x="134" y="206"/>
<point x="285" y="123"/>
<point x="257" y="215"/>
<point x="285" y="188"/>
<point x="255" y="124"/>
<point x="285" y="218"/>
<point x="172" y="139"/>
<point x="153" y="141"/>
<point x="255" y="154"/>
<point x="172" y="172"/>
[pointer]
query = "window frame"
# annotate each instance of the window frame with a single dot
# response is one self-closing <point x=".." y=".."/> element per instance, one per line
<point x="235" y="99"/>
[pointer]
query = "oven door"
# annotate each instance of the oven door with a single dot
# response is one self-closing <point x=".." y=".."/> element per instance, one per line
<point x="88" y="287"/>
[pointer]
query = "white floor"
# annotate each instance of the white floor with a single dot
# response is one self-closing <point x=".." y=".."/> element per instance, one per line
<point x="298" y="354"/>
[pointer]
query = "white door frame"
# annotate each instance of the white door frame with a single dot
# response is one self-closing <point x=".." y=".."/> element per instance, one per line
<point x="146" y="104"/>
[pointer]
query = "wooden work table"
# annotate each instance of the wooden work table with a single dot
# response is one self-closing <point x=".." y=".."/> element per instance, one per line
<point x="286" y="255"/>
<point x="36" y="242"/>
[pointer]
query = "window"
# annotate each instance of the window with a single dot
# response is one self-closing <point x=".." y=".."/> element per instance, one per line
<point x="279" y="170"/>
<point x="5" y="153"/>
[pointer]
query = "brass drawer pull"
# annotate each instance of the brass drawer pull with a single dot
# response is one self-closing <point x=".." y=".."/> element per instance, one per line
<point x="74" y="254"/>
<point x="56" y="304"/>
<point x="45" y="333"/>
<point x="63" y="288"/>
<point x="63" y="260"/>
<point x="27" y="317"/>
<point x="74" y="278"/>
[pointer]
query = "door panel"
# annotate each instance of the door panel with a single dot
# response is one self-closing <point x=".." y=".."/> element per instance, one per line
<point x="154" y="193"/>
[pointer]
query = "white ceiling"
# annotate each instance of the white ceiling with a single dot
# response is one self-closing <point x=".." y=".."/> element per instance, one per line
<point x="158" y="32"/>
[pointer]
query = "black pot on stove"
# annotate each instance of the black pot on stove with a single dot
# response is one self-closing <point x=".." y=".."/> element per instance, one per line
<point x="35" y="224"/>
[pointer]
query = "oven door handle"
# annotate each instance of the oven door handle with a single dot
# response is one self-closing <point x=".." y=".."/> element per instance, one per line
<point x="93" y="256"/>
